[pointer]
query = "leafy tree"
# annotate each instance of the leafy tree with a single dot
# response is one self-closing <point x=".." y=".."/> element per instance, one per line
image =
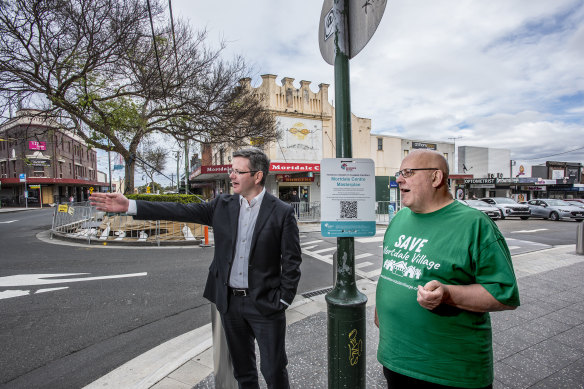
<point x="93" y="65"/>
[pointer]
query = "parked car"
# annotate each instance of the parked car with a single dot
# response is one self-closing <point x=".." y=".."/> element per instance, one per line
<point x="509" y="207"/>
<point x="555" y="209"/>
<point x="490" y="210"/>
<point x="576" y="202"/>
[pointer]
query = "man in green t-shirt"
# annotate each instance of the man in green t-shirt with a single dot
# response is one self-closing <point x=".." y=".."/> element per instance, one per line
<point x="445" y="266"/>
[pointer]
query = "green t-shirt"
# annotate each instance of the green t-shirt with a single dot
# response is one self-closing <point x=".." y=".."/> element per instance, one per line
<point x="456" y="245"/>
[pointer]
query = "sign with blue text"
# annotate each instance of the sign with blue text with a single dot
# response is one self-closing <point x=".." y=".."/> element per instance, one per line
<point x="347" y="197"/>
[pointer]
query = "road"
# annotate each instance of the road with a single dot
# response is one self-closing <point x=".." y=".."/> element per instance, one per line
<point x="77" y="312"/>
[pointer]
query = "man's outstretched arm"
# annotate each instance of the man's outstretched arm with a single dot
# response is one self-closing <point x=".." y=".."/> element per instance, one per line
<point x="109" y="202"/>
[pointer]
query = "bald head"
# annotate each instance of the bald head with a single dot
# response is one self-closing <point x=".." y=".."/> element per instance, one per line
<point x="425" y="188"/>
<point x="430" y="158"/>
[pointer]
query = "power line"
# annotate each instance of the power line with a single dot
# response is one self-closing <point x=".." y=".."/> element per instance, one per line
<point x="553" y="155"/>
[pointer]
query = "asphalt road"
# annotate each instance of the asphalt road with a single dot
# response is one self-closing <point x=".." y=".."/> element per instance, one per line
<point x="102" y="306"/>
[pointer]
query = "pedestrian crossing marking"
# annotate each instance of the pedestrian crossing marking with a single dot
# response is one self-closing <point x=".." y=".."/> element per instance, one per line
<point x="325" y="250"/>
<point x="311" y="242"/>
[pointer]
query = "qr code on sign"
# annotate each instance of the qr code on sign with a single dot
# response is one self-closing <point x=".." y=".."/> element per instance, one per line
<point x="348" y="210"/>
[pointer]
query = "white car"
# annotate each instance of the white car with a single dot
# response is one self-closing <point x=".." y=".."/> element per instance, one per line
<point x="509" y="207"/>
<point x="488" y="209"/>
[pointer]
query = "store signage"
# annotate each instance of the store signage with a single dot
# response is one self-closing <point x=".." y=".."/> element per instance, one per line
<point x="348" y="197"/>
<point x="503" y="181"/>
<point x="535" y="188"/>
<point x="294" y="167"/>
<point x="34" y="145"/>
<point x="422" y="145"/>
<point x="39" y="162"/>
<point x="479" y="181"/>
<point x="215" y="169"/>
<point x="22" y="177"/>
<point x="289" y="178"/>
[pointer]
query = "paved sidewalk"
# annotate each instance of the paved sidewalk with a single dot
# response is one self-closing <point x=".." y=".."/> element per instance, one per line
<point x="539" y="345"/>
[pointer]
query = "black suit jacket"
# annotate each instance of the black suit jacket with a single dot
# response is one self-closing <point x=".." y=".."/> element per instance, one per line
<point x="274" y="257"/>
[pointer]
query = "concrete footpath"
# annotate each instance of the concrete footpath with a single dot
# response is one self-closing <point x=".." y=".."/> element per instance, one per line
<point x="539" y="345"/>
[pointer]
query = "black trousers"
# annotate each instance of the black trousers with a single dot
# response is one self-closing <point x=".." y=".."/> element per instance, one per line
<point x="399" y="381"/>
<point x="243" y="324"/>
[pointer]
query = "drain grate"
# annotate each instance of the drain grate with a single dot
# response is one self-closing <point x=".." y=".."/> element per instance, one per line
<point x="316" y="292"/>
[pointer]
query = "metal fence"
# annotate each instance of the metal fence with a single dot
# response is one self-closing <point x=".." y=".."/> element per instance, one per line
<point x="82" y="221"/>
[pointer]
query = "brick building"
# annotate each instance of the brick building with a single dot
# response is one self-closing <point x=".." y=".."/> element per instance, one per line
<point x="56" y="163"/>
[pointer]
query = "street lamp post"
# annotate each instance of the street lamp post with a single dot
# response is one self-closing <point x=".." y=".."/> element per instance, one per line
<point x="454" y="138"/>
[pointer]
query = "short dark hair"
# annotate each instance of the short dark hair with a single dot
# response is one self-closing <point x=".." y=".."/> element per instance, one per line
<point x="258" y="161"/>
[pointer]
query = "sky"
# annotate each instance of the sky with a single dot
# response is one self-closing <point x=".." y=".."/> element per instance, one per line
<point x="502" y="74"/>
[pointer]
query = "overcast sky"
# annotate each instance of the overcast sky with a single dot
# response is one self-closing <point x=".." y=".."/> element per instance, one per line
<point x="498" y="73"/>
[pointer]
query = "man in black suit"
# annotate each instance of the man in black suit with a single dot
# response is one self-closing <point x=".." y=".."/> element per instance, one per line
<point x="256" y="266"/>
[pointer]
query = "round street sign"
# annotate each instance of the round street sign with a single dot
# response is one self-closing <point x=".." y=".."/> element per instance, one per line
<point x="364" y="17"/>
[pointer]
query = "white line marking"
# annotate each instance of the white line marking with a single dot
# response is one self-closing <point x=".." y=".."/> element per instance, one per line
<point x="370" y="239"/>
<point x="362" y="264"/>
<point x="307" y="248"/>
<point x="364" y="255"/>
<point x="8" y="221"/>
<point x="528" y="231"/>
<point x="50" y="289"/>
<point x="7" y="294"/>
<point x="311" y="242"/>
<point x="41" y="279"/>
<point x="325" y="250"/>
<point x="514" y="247"/>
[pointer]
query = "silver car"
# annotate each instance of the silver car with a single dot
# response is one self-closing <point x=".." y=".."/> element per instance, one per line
<point x="554" y="209"/>
<point x="509" y="207"/>
<point x="490" y="210"/>
<point x="575" y="203"/>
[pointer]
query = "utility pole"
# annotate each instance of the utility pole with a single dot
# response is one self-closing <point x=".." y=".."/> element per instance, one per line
<point x="345" y="28"/>
<point x="186" y="166"/>
<point x="454" y="138"/>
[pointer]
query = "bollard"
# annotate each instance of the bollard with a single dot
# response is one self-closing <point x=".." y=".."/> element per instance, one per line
<point x="206" y="235"/>
<point x="580" y="239"/>
<point x="222" y="365"/>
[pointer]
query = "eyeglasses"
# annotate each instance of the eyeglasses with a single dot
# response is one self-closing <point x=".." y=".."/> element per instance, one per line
<point x="405" y="173"/>
<point x="239" y="173"/>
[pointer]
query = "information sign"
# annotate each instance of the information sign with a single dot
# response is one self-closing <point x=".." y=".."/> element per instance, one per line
<point x="63" y="208"/>
<point x="348" y="197"/>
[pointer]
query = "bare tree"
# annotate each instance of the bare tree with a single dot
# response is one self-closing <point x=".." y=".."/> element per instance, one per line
<point x="151" y="159"/>
<point x="102" y="74"/>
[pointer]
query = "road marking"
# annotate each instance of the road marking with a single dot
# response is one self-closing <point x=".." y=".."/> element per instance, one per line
<point x="46" y="279"/>
<point x="17" y="293"/>
<point x="362" y="264"/>
<point x="364" y="255"/>
<point x="325" y="250"/>
<point x="370" y="239"/>
<point x="311" y="242"/>
<point x="528" y="231"/>
<point x="514" y="247"/>
<point x="8" y="221"/>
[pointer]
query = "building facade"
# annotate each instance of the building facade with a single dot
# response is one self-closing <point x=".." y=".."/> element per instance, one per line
<point x="494" y="174"/>
<point x="41" y="163"/>
<point x="306" y="121"/>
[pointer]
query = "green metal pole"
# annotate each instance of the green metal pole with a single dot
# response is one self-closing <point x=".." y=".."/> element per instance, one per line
<point x="345" y="303"/>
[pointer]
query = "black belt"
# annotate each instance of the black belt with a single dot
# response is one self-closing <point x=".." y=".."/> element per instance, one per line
<point x="239" y="291"/>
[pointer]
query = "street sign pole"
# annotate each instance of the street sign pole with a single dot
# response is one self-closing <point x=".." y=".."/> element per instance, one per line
<point x="345" y="303"/>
